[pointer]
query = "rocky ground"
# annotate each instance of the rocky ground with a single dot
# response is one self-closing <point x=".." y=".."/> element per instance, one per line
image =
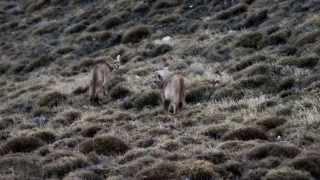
<point x="260" y="122"/>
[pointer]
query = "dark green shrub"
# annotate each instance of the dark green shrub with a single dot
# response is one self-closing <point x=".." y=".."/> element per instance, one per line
<point x="245" y="134"/>
<point x="106" y="145"/>
<point x="159" y="171"/>
<point x="309" y="162"/>
<point x="198" y="169"/>
<point x="38" y="63"/>
<point x="216" y="131"/>
<point x="271" y="122"/>
<point x="136" y="34"/>
<point x="52" y="99"/>
<point x="251" y="40"/>
<point x="199" y="94"/>
<point x="273" y="149"/>
<point x="20" y="144"/>
<point x="246" y="62"/>
<point x="145" y="99"/>
<point x="301" y="62"/>
<point x="45" y="136"/>
<point x="306" y="38"/>
<point x="111" y="22"/>
<point x="120" y="91"/>
<point x="255" y="19"/>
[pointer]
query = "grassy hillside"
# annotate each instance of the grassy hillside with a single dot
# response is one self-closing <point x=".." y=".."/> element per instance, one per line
<point x="261" y="121"/>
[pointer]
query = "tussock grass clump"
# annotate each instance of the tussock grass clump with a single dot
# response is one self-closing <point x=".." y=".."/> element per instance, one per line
<point x="83" y="175"/>
<point x="111" y="22"/>
<point x="246" y="62"/>
<point x="273" y="149"/>
<point x="95" y="36"/>
<point x="216" y="131"/>
<point x="255" y="174"/>
<point x="38" y="63"/>
<point x="52" y="99"/>
<point x="199" y="94"/>
<point x="307" y="38"/>
<point x="64" y="164"/>
<point x="76" y="28"/>
<point x="120" y="91"/>
<point x="162" y="4"/>
<point x="286" y="83"/>
<point x="20" y="144"/>
<point x="255" y="81"/>
<point x="271" y="122"/>
<point x="250" y="40"/>
<point x="215" y="157"/>
<point x="198" y="169"/>
<point x="301" y="62"/>
<point x="256" y="18"/>
<point x="157" y="50"/>
<point x="106" y="145"/>
<point x="309" y="162"/>
<point x="45" y="135"/>
<point x="245" y="134"/>
<point x="228" y="93"/>
<point x="279" y="37"/>
<point x="136" y="34"/>
<point x="132" y="155"/>
<point x="47" y="27"/>
<point x="66" y="118"/>
<point x="22" y="166"/>
<point x="5" y="123"/>
<point x="145" y="99"/>
<point x="233" y="11"/>
<point x="4" y="67"/>
<point x="90" y="131"/>
<point x="159" y="171"/>
<point x="286" y="173"/>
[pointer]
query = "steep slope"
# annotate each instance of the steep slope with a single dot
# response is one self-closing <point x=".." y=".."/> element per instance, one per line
<point x="260" y="122"/>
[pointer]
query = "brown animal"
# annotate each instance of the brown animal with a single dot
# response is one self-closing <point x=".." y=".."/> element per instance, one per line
<point x="101" y="74"/>
<point x="172" y="90"/>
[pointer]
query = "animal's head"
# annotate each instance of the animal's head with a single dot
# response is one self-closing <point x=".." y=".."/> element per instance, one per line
<point x="116" y="63"/>
<point x="160" y="76"/>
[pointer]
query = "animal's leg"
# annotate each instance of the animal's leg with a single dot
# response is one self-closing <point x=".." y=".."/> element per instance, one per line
<point x="174" y="107"/>
<point x="166" y="105"/>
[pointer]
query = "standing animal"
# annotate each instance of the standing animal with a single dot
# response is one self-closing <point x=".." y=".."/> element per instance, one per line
<point x="172" y="90"/>
<point x="100" y="76"/>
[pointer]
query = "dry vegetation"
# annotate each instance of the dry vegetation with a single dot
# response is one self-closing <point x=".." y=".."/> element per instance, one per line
<point x="261" y="121"/>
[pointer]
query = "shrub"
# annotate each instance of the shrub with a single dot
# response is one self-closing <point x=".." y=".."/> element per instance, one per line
<point x="22" y="165"/>
<point x="20" y="144"/>
<point x="141" y="100"/>
<point x="4" y="67"/>
<point x="247" y="62"/>
<point x="83" y="175"/>
<point x="90" y="131"/>
<point x="233" y="11"/>
<point x="271" y="122"/>
<point x="309" y="162"/>
<point x="52" y="99"/>
<point x="158" y="50"/>
<point x="199" y="94"/>
<point x="159" y="171"/>
<point x="45" y="136"/>
<point x="228" y="93"/>
<point x="286" y="83"/>
<point x="106" y="145"/>
<point x="286" y="173"/>
<point x="253" y="82"/>
<point x="120" y="91"/>
<point x="38" y="63"/>
<point x="250" y="40"/>
<point x="306" y="38"/>
<point x="273" y="149"/>
<point x="47" y="27"/>
<point x="255" y="174"/>
<point x="245" y="134"/>
<point x="64" y="164"/>
<point x="111" y="22"/>
<point x="279" y="37"/>
<point x="76" y="28"/>
<point x="255" y="19"/>
<point x="215" y="157"/>
<point x="136" y="34"/>
<point x="66" y="118"/>
<point x="301" y="62"/>
<point x="5" y="123"/>
<point x="161" y="4"/>
<point x="216" y="131"/>
<point x="198" y="169"/>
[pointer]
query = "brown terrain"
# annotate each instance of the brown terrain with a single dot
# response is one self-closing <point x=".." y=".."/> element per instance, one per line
<point x="261" y="121"/>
